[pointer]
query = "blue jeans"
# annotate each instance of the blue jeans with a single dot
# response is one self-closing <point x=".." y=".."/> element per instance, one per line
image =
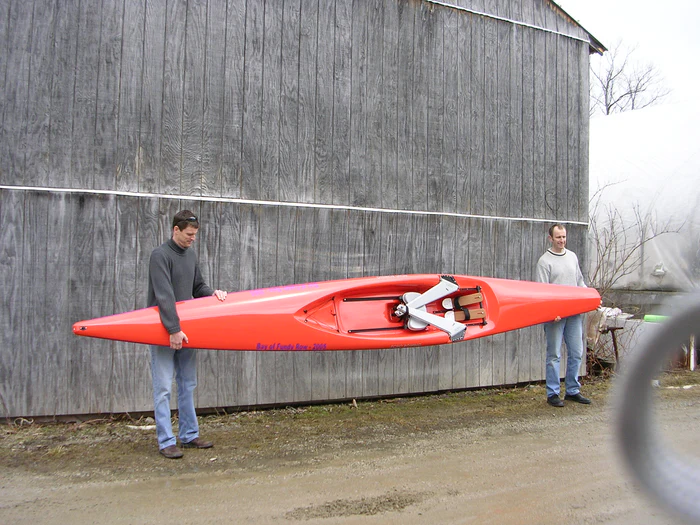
<point x="183" y="364"/>
<point x="570" y="330"/>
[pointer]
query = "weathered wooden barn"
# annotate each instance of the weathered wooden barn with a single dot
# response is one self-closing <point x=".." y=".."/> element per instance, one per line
<point x="316" y="139"/>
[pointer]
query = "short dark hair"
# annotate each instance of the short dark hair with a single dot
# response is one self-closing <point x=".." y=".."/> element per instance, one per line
<point x="557" y="225"/>
<point x="185" y="218"/>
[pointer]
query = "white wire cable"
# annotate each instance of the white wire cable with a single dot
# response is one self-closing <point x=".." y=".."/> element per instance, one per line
<point x="671" y="480"/>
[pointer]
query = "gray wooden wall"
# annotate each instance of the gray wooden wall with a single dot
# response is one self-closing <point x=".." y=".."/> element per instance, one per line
<point x="316" y="139"/>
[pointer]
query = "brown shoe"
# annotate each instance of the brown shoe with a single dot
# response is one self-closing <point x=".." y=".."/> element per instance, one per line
<point x="198" y="443"/>
<point x="171" y="452"/>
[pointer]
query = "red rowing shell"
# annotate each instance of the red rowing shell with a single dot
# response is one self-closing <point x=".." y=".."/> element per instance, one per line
<point x="348" y="314"/>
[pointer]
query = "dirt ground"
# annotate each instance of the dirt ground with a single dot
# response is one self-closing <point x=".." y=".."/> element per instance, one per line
<point x="487" y="457"/>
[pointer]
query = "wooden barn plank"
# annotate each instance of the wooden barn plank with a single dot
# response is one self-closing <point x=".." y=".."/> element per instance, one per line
<point x="404" y="264"/>
<point x="525" y="349"/>
<point x="229" y="279"/>
<point x="487" y="268"/>
<point x="266" y="378"/>
<point x="355" y="251"/>
<point x="250" y="216"/>
<point x="342" y="75"/>
<point x="491" y="113"/>
<point x="460" y="254"/>
<point x="477" y="152"/>
<point x="360" y="185"/>
<point x="271" y="88"/>
<point x="231" y="171"/>
<point x="355" y="268"/>
<point x="475" y="229"/>
<point x="286" y="242"/>
<point x="373" y="105"/>
<point x="60" y="343"/>
<point x="323" y="133"/>
<point x="127" y="358"/>
<point x="339" y="244"/>
<point x="208" y="242"/>
<point x="435" y="169"/>
<point x="303" y="273"/>
<point x="389" y="125"/>
<point x="451" y="148"/>
<point x="420" y="369"/>
<point x="338" y="258"/>
<point x="127" y="144"/>
<point x="151" y="170"/>
<point x="583" y="173"/>
<point x="308" y="50"/>
<point x="501" y="244"/>
<point x="213" y="117"/>
<point x="4" y="43"/>
<point x="102" y="283"/>
<point x="562" y="124"/>
<point x="15" y="94"/>
<point x="372" y="244"/>
<point x="321" y="271"/>
<point x="447" y="239"/>
<point x="80" y="256"/>
<point x="387" y="244"/>
<point x="463" y="84"/>
<point x="504" y="139"/>
<point x="31" y="374"/>
<point x="84" y="97"/>
<point x="527" y="123"/>
<point x="574" y="126"/>
<point x="252" y="135"/>
<point x="540" y="187"/>
<point x="404" y="95"/>
<point x="62" y="84"/>
<point x="419" y="108"/>
<point x="39" y="95"/>
<point x="106" y="131"/>
<point x="513" y="343"/>
<point x="550" y="127"/>
<point x="150" y="235"/>
<point x="286" y="245"/>
<point x="322" y="243"/>
<point x="289" y="189"/>
<point x="173" y="78"/>
<point x="516" y="132"/>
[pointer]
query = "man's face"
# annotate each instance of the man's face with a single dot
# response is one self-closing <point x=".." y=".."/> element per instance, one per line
<point x="184" y="238"/>
<point x="558" y="239"/>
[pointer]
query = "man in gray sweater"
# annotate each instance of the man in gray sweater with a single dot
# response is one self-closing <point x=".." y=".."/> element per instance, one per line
<point x="174" y="275"/>
<point x="560" y="266"/>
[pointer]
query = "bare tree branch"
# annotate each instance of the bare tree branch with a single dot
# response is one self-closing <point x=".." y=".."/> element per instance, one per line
<point x="621" y="84"/>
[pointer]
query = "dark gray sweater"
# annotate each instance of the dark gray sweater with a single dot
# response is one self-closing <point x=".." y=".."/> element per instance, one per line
<point x="173" y="275"/>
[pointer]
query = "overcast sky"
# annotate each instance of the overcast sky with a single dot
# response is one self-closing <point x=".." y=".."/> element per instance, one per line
<point x="665" y="33"/>
<point x="654" y="153"/>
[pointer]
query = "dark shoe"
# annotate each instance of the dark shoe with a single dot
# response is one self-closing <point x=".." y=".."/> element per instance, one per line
<point x="171" y="452"/>
<point x="198" y="443"/>
<point x="555" y="401"/>
<point x="578" y="398"/>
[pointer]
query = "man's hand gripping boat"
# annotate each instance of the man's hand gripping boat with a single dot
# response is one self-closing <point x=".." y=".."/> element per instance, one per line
<point x="354" y="314"/>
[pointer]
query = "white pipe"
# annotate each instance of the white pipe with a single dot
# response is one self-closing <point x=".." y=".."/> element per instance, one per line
<point x="84" y="191"/>
<point x="508" y="20"/>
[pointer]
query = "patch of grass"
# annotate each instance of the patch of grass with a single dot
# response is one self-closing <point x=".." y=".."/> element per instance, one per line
<point x="117" y="447"/>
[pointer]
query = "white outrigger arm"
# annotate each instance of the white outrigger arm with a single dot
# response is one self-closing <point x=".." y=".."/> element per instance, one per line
<point x="414" y="304"/>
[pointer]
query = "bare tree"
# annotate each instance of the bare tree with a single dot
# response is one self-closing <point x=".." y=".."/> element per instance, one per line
<point x="617" y="242"/>
<point x="619" y="83"/>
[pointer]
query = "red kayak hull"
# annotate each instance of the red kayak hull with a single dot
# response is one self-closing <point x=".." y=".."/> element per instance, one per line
<point x="348" y="314"/>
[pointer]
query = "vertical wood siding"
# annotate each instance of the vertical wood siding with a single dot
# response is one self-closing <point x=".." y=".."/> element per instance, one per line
<point x="114" y="115"/>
